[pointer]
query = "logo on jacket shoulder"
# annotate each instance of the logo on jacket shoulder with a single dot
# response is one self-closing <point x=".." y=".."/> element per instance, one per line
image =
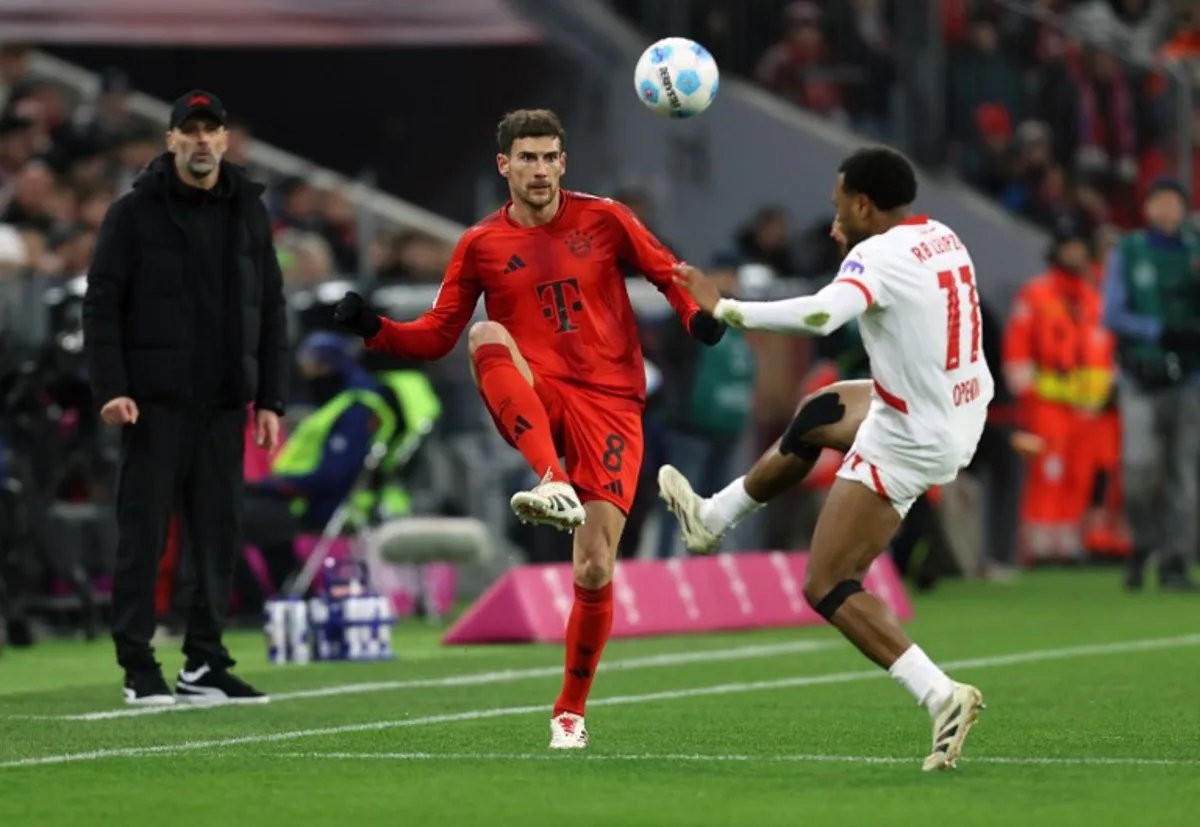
<point x="579" y="243"/>
<point x="850" y="266"/>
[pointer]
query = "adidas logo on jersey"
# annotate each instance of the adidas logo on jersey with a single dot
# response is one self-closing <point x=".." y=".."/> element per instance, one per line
<point x="615" y="487"/>
<point x="514" y="264"/>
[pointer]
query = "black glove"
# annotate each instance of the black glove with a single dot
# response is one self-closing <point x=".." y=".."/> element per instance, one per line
<point x="353" y="314"/>
<point x="706" y="329"/>
<point x="1181" y="339"/>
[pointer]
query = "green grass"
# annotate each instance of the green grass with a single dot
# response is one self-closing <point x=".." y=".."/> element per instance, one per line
<point x="747" y="751"/>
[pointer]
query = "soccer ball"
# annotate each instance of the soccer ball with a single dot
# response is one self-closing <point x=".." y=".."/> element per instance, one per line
<point x="676" y="77"/>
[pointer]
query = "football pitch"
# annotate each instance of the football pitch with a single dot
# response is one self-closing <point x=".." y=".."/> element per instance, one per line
<point x="1093" y="718"/>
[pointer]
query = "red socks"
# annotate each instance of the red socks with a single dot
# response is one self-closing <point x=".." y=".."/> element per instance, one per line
<point x="516" y="406"/>
<point x="587" y="632"/>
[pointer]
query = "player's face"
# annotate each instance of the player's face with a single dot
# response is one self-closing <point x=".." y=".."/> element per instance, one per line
<point x="853" y="213"/>
<point x="534" y="168"/>
<point x="199" y="144"/>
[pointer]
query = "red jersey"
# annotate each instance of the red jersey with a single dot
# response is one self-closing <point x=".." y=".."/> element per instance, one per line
<point x="557" y="288"/>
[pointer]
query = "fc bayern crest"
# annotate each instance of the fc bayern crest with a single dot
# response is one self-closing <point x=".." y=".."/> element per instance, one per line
<point x="579" y="243"/>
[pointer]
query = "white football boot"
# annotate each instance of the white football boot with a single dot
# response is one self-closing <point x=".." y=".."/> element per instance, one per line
<point x="951" y="725"/>
<point x="549" y="503"/>
<point x="568" y="732"/>
<point x="675" y="490"/>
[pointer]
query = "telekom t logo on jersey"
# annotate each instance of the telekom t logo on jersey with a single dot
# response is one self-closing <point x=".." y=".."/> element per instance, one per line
<point x="559" y="300"/>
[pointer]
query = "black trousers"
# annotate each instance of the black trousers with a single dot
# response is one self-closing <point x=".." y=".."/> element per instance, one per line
<point x="189" y="459"/>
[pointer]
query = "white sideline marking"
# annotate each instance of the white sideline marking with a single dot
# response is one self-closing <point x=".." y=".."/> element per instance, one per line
<point x="475" y="679"/>
<point x="1031" y="656"/>
<point x="1082" y="761"/>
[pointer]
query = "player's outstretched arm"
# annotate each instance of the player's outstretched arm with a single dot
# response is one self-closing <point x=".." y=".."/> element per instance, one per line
<point x="817" y="315"/>
<point x="656" y="264"/>
<point x="434" y="334"/>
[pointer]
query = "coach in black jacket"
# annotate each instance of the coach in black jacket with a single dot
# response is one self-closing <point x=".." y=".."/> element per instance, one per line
<point x="184" y="326"/>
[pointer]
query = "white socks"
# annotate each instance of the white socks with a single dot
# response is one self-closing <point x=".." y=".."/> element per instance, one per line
<point x="923" y="679"/>
<point x="727" y="507"/>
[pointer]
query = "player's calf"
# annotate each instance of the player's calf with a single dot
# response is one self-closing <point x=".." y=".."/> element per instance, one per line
<point x="590" y="622"/>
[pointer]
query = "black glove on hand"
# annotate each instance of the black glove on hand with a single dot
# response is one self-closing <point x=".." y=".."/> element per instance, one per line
<point x="1185" y="339"/>
<point x="353" y="314"/>
<point x="705" y="329"/>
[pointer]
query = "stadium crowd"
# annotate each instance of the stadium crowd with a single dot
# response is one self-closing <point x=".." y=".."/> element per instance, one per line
<point x="1070" y="134"/>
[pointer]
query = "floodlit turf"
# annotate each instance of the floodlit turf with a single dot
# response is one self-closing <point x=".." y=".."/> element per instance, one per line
<point x="1093" y="719"/>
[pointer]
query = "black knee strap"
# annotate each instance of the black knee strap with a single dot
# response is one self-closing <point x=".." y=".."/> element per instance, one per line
<point x="833" y="601"/>
<point x="825" y="409"/>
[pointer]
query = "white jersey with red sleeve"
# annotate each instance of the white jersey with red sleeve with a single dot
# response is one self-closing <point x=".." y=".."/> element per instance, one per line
<point x="913" y="292"/>
<point x="922" y="332"/>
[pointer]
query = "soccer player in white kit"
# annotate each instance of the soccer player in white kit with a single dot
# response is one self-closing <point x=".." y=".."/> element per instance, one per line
<point x="910" y="282"/>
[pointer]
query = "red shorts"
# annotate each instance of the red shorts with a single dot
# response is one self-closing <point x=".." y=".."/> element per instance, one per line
<point x="599" y="436"/>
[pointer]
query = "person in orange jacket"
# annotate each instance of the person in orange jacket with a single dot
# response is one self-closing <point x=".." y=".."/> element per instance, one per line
<point x="1058" y="363"/>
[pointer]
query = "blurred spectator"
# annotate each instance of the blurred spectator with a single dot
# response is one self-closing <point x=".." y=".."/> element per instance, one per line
<point x="994" y="168"/>
<point x="1157" y="162"/>
<point x="305" y="257"/>
<point x="1151" y="304"/>
<point x="800" y="66"/>
<point x="1131" y="27"/>
<point x="341" y="230"/>
<point x="107" y="117"/>
<point x="706" y="403"/>
<point x="764" y="240"/>
<point x="412" y="255"/>
<point x="14" y="68"/>
<point x="94" y="203"/>
<point x="300" y="206"/>
<point x="134" y="152"/>
<point x="16" y="150"/>
<point x="33" y="201"/>
<point x="980" y="73"/>
<point x="864" y="43"/>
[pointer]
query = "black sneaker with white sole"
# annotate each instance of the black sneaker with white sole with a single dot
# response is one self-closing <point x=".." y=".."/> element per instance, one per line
<point x="147" y="688"/>
<point x="205" y="685"/>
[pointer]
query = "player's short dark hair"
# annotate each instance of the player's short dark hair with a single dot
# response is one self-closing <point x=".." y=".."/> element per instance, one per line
<point x="883" y="175"/>
<point x="528" y="123"/>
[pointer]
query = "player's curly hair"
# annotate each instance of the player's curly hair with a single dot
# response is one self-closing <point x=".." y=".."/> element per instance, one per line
<point x="882" y="174"/>
<point x="528" y="123"/>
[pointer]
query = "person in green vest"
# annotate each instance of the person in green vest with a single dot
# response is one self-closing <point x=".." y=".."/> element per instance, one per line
<point x="316" y="469"/>
<point x="707" y="396"/>
<point x="1152" y="307"/>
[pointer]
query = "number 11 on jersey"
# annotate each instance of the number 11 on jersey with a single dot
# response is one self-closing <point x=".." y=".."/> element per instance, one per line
<point x="947" y="282"/>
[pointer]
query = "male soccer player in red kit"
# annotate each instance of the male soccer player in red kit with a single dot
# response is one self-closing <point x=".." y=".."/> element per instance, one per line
<point x="558" y="363"/>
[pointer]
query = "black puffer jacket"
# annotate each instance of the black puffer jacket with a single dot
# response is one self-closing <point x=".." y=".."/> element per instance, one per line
<point x="139" y="315"/>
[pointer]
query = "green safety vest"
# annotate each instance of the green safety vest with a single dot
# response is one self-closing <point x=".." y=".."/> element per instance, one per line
<point x="723" y="385"/>
<point x="1160" y="283"/>
<point x="305" y="447"/>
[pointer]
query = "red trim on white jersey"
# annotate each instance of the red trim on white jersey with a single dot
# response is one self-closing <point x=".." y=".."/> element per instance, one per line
<point x="890" y="399"/>
<point x="866" y="291"/>
<point x="914" y="220"/>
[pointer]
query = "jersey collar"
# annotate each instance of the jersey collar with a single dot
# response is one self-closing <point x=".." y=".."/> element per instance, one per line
<point x="914" y="220"/>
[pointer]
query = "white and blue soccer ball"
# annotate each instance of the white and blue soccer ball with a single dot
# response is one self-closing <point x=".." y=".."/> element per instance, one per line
<point x="677" y="78"/>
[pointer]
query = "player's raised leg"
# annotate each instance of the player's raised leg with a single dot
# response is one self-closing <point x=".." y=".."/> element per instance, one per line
<point x="854" y="528"/>
<point x="828" y="418"/>
<point x="595" y="555"/>
<point x="507" y="386"/>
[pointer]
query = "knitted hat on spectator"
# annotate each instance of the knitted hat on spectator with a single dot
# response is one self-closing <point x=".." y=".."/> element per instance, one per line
<point x="1170" y="185"/>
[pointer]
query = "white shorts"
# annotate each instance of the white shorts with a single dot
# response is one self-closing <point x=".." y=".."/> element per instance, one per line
<point x="899" y="481"/>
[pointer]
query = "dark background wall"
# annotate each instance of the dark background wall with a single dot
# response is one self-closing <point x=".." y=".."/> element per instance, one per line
<point x="423" y="119"/>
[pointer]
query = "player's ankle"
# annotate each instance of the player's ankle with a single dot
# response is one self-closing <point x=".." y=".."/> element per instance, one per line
<point x="928" y="684"/>
<point x="555" y="473"/>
